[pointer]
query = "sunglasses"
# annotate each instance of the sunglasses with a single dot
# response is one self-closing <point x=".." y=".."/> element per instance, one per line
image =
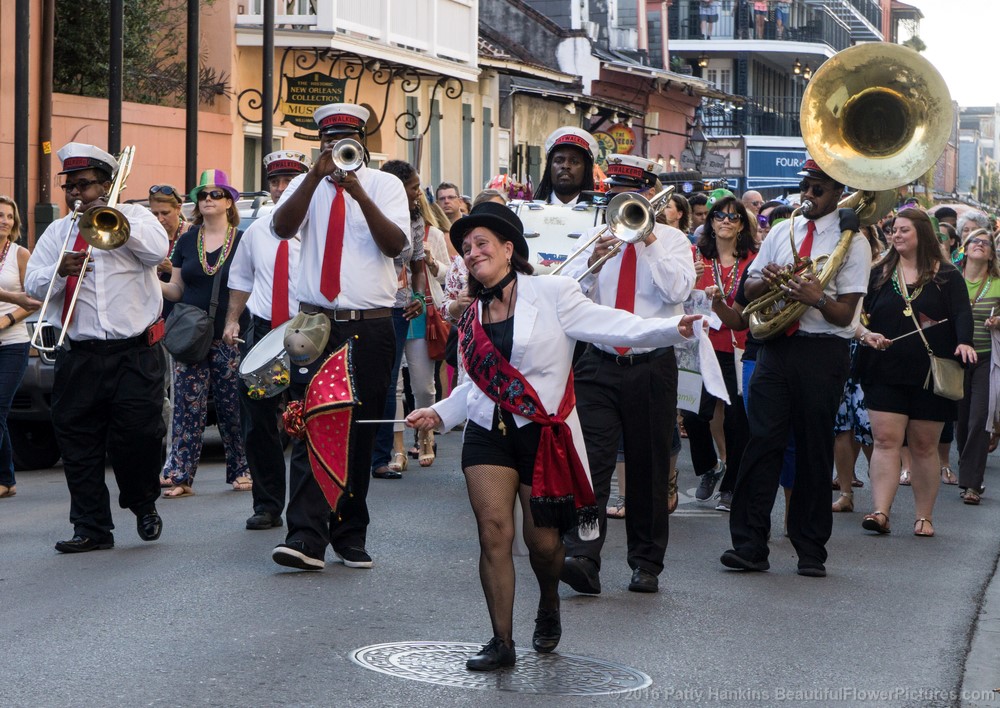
<point x="978" y="242"/>
<point x="816" y="189"/>
<point x="215" y="194"/>
<point x="726" y="216"/>
<point x="167" y="191"/>
<point x="79" y="186"/>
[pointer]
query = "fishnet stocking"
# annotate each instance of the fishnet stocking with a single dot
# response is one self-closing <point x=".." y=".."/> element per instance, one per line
<point x="492" y="491"/>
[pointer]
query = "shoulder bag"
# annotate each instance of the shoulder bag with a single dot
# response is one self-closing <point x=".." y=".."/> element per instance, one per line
<point x="437" y="328"/>
<point x="190" y="330"/>
<point x="947" y="374"/>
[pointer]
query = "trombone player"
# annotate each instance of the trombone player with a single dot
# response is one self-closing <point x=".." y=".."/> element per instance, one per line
<point x="799" y="379"/>
<point x="630" y="392"/>
<point x="108" y="390"/>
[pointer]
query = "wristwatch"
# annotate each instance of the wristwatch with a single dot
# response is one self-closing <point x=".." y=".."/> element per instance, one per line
<point x="821" y="302"/>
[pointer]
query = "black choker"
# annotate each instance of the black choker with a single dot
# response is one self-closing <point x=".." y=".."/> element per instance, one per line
<point x="486" y="295"/>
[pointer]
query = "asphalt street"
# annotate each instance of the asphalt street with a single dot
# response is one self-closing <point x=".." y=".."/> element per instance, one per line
<point x="204" y="617"/>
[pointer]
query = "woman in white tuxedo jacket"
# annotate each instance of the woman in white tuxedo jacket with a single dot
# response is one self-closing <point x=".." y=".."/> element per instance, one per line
<point x="523" y="438"/>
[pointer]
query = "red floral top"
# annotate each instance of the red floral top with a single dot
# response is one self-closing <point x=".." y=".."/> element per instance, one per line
<point x="723" y="339"/>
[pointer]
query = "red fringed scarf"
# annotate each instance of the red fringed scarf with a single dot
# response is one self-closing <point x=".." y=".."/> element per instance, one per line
<point x="561" y="494"/>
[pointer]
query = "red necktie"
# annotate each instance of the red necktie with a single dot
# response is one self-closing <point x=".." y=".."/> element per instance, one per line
<point x="279" y="288"/>
<point x="329" y="281"/>
<point x="805" y="250"/>
<point x="625" y="299"/>
<point x="72" y="280"/>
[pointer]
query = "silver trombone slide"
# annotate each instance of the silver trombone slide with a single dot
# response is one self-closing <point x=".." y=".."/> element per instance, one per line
<point x="36" y="336"/>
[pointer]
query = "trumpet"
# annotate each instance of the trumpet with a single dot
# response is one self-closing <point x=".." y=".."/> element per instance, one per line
<point x="630" y="218"/>
<point x="348" y="155"/>
<point x="102" y="227"/>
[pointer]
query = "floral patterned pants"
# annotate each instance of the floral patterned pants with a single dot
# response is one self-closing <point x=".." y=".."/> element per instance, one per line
<point x="220" y="371"/>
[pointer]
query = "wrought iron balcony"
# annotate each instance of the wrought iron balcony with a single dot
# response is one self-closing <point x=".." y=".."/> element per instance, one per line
<point x="773" y="116"/>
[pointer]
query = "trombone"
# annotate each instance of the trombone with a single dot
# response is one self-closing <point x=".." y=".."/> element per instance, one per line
<point x="102" y="227"/>
<point x="630" y="218"/>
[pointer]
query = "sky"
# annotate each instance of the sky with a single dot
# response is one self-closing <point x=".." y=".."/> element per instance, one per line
<point x="961" y="39"/>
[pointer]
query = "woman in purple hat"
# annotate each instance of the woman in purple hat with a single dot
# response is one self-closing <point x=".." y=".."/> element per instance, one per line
<point x="201" y="257"/>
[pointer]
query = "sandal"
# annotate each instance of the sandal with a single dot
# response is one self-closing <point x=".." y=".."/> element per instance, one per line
<point x="6" y="491"/>
<point x="845" y="502"/>
<point x="857" y="483"/>
<point x="427" y="452"/>
<point x="872" y="523"/>
<point x="243" y="483"/>
<point x="904" y="478"/>
<point x="947" y="476"/>
<point x="920" y="528"/>
<point x="618" y="510"/>
<point x="166" y="483"/>
<point x="971" y="497"/>
<point x="398" y="462"/>
<point x="178" y="491"/>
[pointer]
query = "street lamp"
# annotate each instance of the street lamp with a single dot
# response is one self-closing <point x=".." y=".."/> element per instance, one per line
<point x="697" y="143"/>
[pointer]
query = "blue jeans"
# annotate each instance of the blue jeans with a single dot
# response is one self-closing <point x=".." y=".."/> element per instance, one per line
<point x="13" y="363"/>
<point x="787" y="478"/>
<point x="383" y="436"/>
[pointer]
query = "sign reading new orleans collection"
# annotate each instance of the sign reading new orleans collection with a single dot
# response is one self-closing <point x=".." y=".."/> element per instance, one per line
<point x="306" y="93"/>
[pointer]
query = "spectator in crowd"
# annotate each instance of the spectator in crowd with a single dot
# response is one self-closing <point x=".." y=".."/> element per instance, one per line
<point x="677" y="213"/>
<point x="972" y="220"/>
<point x="752" y="202"/>
<point x="699" y="210"/>
<point x="782" y="10"/>
<point x="709" y="14"/>
<point x="165" y="203"/>
<point x="448" y="197"/>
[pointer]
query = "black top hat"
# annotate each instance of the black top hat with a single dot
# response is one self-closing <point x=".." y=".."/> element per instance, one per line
<point x="499" y="219"/>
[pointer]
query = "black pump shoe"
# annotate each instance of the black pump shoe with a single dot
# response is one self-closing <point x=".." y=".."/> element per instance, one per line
<point x="495" y="655"/>
<point x="548" y="630"/>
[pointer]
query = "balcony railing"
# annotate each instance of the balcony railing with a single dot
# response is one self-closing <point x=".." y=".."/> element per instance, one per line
<point x="736" y="21"/>
<point x="443" y="28"/>
<point x="772" y="116"/>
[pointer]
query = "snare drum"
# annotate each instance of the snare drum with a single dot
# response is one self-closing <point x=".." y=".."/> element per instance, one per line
<point x="265" y="369"/>
<point x="553" y="231"/>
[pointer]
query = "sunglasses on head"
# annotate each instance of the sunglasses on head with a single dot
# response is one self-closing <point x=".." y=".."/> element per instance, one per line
<point x="732" y="217"/>
<point x="166" y="190"/>
<point x="215" y="194"/>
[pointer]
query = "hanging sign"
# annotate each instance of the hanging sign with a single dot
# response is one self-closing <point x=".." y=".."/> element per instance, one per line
<point x="304" y="94"/>
<point x="624" y="138"/>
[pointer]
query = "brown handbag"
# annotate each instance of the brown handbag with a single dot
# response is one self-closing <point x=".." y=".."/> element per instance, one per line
<point x="437" y="328"/>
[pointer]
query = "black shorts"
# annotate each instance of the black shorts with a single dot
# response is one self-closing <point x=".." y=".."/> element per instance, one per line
<point x="915" y="402"/>
<point x="515" y="449"/>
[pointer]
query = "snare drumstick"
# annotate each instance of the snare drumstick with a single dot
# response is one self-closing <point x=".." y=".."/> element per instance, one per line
<point x="379" y="422"/>
<point x="910" y="334"/>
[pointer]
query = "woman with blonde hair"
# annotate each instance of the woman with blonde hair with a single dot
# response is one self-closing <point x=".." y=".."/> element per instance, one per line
<point x="15" y="305"/>
<point x="981" y="269"/>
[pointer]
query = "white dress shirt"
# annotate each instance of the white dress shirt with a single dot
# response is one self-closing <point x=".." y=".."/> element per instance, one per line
<point x="252" y="269"/>
<point x="664" y="276"/>
<point x="851" y="278"/>
<point x="120" y="297"/>
<point x="367" y="276"/>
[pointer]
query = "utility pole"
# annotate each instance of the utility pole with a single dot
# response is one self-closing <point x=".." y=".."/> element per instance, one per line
<point x="191" y="137"/>
<point x="116" y="60"/>
<point x="267" y="86"/>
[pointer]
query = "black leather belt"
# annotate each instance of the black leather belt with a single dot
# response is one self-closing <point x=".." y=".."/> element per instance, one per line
<point x="348" y="315"/>
<point x="107" y="346"/>
<point x="631" y="359"/>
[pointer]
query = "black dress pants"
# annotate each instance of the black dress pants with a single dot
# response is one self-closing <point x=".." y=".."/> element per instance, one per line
<point x="797" y="386"/>
<point x="265" y="452"/>
<point x="635" y="403"/>
<point x="309" y="517"/>
<point x="107" y="402"/>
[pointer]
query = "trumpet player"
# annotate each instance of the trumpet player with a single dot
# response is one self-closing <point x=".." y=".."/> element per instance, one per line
<point x="799" y="379"/>
<point x="651" y="278"/>
<point x="108" y="389"/>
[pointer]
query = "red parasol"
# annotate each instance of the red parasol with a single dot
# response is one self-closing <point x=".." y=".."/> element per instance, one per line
<point x="324" y="419"/>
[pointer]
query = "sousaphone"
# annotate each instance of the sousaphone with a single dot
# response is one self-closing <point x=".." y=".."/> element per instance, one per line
<point x="874" y="117"/>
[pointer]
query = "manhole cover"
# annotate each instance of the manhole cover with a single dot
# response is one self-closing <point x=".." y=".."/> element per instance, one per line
<point x="443" y="663"/>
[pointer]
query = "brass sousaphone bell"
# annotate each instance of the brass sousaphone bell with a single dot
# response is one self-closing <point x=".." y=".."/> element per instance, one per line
<point x="874" y="117"/>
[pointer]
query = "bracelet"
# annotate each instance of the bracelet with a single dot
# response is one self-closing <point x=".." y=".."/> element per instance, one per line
<point x="12" y="320"/>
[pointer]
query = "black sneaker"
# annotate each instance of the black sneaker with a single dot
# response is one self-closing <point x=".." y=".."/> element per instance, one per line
<point x="725" y="502"/>
<point x="294" y="555"/>
<point x="548" y="630"/>
<point x="731" y="559"/>
<point x="708" y="482"/>
<point x="355" y="557"/>
<point x="495" y="655"/>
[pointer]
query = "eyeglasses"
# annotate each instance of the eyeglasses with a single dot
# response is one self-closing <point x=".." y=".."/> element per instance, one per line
<point x="215" y="194"/>
<point x="978" y="242"/>
<point x="79" y="186"/>
<point x="816" y="189"/>
<point x="726" y="216"/>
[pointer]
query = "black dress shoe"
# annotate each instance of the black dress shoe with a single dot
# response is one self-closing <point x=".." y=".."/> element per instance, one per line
<point x="548" y="630"/>
<point x="643" y="581"/>
<point x="813" y="570"/>
<point x="263" y="520"/>
<point x="581" y="574"/>
<point x="493" y="656"/>
<point x="731" y="559"/>
<point x="149" y="525"/>
<point x="386" y="473"/>
<point x="82" y="544"/>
